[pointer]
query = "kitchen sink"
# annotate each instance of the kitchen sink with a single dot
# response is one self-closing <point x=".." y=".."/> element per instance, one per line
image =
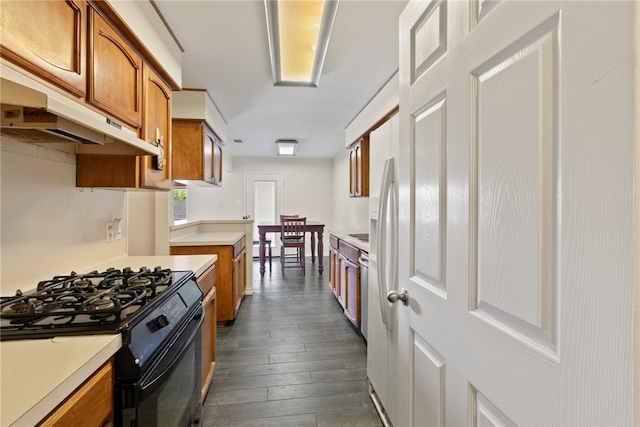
<point x="361" y="236"/>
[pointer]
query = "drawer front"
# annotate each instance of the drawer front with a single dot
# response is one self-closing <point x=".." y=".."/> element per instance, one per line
<point x="351" y="252"/>
<point x="238" y="247"/>
<point x="333" y="241"/>
<point x="207" y="279"/>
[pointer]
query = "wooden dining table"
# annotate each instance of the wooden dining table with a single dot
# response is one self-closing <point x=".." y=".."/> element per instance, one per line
<point x="313" y="228"/>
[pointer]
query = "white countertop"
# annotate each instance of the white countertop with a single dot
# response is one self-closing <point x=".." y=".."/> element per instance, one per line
<point x="344" y="235"/>
<point x="196" y="263"/>
<point x="209" y="221"/>
<point x="208" y="238"/>
<point x="37" y="375"/>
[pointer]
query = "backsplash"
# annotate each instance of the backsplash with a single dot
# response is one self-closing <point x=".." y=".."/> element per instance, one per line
<point x="49" y="226"/>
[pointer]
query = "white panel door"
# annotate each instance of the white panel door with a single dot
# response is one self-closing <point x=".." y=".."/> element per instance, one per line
<point x="264" y="201"/>
<point x="516" y="217"/>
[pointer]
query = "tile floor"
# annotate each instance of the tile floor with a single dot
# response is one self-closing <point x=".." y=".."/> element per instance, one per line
<point x="290" y="359"/>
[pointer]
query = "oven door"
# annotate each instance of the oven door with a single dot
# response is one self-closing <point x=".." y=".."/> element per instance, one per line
<point x="169" y="394"/>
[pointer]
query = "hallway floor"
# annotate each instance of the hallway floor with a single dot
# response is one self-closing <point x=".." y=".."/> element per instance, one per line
<point x="290" y="359"/>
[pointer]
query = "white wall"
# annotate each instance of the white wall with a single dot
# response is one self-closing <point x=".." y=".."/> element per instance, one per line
<point x="349" y="213"/>
<point x="308" y="187"/>
<point x="48" y="225"/>
<point x="149" y="216"/>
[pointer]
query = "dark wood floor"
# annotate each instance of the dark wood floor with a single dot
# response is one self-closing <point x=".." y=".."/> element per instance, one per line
<point x="290" y="359"/>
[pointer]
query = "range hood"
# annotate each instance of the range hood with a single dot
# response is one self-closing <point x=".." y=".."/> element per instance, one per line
<point x="34" y="113"/>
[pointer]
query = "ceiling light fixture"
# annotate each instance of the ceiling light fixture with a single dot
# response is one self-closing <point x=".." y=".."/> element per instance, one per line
<point x="287" y="147"/>
<point x="298" y="39"/>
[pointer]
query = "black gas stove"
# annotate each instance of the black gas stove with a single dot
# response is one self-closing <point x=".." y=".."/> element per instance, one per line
<point x="76" y="304"/>
<point x="159" y="315"/>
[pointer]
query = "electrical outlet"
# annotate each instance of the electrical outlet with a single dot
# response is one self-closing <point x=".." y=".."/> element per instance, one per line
<point x="109" y="232"/>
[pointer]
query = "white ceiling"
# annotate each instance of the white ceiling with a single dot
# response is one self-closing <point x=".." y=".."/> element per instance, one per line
<point x="226" y="52"/>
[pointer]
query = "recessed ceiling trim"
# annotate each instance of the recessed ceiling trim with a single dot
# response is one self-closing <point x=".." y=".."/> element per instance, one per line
<point x="328" y="17"/>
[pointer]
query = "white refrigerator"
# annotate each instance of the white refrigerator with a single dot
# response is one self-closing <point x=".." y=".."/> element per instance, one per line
<point x="383" y="196"/>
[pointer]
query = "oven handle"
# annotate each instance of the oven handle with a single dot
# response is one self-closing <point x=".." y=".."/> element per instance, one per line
<point x="173" y="356"/>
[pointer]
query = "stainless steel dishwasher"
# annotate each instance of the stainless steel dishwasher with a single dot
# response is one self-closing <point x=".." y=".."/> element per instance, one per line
<point x="363" y="260"/>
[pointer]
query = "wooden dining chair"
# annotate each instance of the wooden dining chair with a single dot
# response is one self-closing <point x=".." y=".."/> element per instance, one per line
<point x="292" y="236"/>
<point x="287" y="217"/>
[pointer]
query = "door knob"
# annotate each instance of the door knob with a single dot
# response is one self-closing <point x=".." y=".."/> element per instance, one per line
<point x="395" y="296"/>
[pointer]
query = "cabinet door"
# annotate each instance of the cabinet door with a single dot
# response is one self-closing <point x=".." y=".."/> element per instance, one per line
<point x="187" y="151"/>
<point x="48" y="39"/>
<point x="343" y="266"/>
<point x="352" y="286"/>
<point x="196" y="153"/>
<point x="217" y="163"/>
<point x="352" y="172"/>
<point x="239" y="268"/>
<point x="334" y="273"/>
<point x="155" y="171"/>
<point x="90" y="405"/>
<point x="208" y="149"/>
<point x="225" y="295"/>
<point x="206" y="282"/>
<point x="362" y="167"/>
<point x="115" y="73"/>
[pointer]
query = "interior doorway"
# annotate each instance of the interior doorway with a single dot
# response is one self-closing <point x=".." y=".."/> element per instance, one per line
<point x="265" y="202"/>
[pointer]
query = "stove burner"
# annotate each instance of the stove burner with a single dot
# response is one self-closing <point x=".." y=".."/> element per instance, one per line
<point x="100" y="303"/>
<point x="22" y="307"/>
<point x="140" y="281"/>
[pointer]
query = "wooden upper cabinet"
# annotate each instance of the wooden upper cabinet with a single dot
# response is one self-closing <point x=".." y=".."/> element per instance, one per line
<point x="359" y="168"/>
<point x="48" y="39"/>
<point x="196" y="153"/>
<point x="156" y="171"/>
<point x="136" y="172"/>
<point x="115" y="73"/>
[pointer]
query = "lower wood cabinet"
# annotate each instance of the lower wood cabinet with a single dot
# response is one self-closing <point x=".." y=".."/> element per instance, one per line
<point x="344" y="277"/>
<point x="230" y="274"/>
<point x="207" y="281"/>
<point x="239" y="275"/>
<point x="334" y="270"/>
<point x="90" y="405"/>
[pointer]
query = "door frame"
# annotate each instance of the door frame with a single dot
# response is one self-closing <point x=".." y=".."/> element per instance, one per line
<point x="249" y="179"/>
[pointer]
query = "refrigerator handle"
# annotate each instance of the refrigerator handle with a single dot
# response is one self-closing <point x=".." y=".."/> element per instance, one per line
<point x="381" y="248"/>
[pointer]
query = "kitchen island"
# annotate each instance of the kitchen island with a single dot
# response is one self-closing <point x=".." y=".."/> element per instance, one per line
<point x="39" y="374"/>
